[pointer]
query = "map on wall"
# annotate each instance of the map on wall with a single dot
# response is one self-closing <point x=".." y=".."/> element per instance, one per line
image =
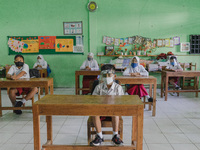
<point x="46" y="42"/>
<point x="64" y="45"/>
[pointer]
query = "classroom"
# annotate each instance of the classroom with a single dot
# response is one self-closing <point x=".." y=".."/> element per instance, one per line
<point x="157" y="103"/>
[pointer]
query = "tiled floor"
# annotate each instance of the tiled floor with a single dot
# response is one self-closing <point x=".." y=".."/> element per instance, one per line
<point x="175" y="127"/>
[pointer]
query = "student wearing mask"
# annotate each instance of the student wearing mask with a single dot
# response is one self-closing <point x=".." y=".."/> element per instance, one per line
<point x="41" y="63"/>
<point x="107" y="87"/>
<point x="19" y="71"/>
<point x="175" y="67"/>
<point x="90" y="65"/>
<point x="137" y="70"/>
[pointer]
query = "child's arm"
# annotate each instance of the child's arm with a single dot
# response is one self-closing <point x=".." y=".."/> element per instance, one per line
<point x="45" y="65"/>
<point x="10" y="72"/>
<point x="83" y="66"/>
<point x="143" y="71"/>
<point x="126" y="72"/>
<point x="15" y="77"/>
<point x="96" y="66"/>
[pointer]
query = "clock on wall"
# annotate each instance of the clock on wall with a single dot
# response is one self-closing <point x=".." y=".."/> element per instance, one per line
<point x="92" y="6"/>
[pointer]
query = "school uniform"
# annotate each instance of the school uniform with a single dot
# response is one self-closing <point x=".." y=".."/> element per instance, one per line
<point x="102" y="89"/>
<point x="41" y="62"/>
<point x="174" y="67"/>
<point x="86" y="79"/>
<point x="15" y="70"/>
<point x="136" y="89"/>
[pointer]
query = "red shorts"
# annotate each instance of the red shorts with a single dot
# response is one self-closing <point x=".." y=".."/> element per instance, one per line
<point x="20" y="90"/>
<point x="105" y="118"/>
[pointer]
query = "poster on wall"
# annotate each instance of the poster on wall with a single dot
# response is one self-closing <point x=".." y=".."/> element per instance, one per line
<point x="64" y="45"/>
<point x="30" y="46"/>
<point x="72" y="28"/>
<point x="46" y="42"/>
<point x="185" y="47"/>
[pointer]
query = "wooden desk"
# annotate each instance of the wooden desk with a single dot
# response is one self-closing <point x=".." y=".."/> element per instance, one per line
<point x="77" y="79"/>
<point x="165" y="79"/>
<point x="26" y="83"/>
<point x="142" y="80"/>
<point x="88" y="105"/>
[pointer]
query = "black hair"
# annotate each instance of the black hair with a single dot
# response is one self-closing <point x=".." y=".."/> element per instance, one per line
<point x="19" y="56"/>
<point x="173" y="57"/>
<point x="108" y="67"/>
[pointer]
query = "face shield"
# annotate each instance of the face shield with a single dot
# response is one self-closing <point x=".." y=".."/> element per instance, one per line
<point x="107" y="76"/>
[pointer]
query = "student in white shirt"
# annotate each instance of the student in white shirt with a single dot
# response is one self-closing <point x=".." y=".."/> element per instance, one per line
<point x="41" y="63"/>
<point x="90" y="65"/>
<point x="137" y="70"/>
<point x="18" y="71"/>
<point x="175" y="67"/>
<point x="107" y="87"/>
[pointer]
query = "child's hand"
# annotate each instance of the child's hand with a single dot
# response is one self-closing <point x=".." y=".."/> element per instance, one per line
<point x="14" y="77"/>
<point x="88" y="68"/>
<point x="135" y="74"/>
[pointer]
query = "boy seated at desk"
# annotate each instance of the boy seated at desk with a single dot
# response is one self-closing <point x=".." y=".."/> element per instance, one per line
<point x="137" y="70"/>
<point x="41" y="63"/>
<point x="175" y="67"/>
<point x="19" y="71"/>
<point x="107" y="87"/>
<point x="90" y="65"/>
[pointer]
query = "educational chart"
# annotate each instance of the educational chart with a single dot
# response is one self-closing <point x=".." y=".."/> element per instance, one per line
<point x="46" y="42"/>
<point x="64" y="45"/>
<point x="45" y="45"/>
<point x="30" y="46"/>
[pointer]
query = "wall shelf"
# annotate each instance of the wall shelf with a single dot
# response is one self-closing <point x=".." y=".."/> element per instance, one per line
<point x="141" y="55"/>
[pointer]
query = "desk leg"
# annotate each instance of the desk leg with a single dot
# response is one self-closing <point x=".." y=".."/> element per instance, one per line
<point x="161" y="94"/>
<point x="154" y="99"/>
<point x="139" y="145"/>
<point x="49" y="129"/>
<point x="150" y="90"/>
<point x="166" y="87"/>
<point x="51" y="89"/>
<point x="197" y="85"/>
<point x="36" y="127"/>
<point x="134" y="129"/>
<point x="46" y="90"/>
<point x="77" y="84"/>
<point x="0" y="104"/>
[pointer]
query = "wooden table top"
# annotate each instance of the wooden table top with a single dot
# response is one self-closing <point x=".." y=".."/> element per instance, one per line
<point x="90" y="100"/>
<point x="32" y="82"/>
<point x="131" y="77"/>
<point x="181" y="73"/>
<point x="87" y="72"/>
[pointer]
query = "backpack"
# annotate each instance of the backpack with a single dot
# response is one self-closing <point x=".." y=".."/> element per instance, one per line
<point x="34" y="73"/>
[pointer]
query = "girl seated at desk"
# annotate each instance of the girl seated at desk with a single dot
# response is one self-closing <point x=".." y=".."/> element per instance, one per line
<point x="137" y="70"/>
<point x="174" y="66"/>
<point x="90" y="65"/>
<point x="41" y="63"/>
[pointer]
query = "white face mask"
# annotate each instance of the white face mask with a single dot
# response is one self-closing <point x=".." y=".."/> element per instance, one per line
<point x="108" y="80"/>
<point x="39" y="60"/>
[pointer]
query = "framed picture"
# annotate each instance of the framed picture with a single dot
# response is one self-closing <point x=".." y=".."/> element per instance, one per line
<point x="73" y="28"/>
<point x="160" y="42"/>
<point x="185" y="47"/>
<point x="176" y="40"/>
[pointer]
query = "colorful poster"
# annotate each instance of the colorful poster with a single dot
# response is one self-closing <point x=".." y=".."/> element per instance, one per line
<point x="30" y="46"/>
<point x="15" y="45"/>
<point x="46" y="42"/>
<point x="73" y="27"/>
<point x="64" y="45"/>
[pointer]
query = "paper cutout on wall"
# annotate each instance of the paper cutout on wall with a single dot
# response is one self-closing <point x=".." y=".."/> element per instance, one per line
<point x="64" y="45"/>
<point x="46" y="42"/>
<point x="15" y="45"/>
<point x="30" y="46"/>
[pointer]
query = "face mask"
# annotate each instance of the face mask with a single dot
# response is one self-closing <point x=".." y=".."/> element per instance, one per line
<point x="19" y="64"/>
<point x="172" y="63"/>
<point x="89" y="59"/>
<point x="108" y="80"/>
<point x="134" y="65"/>
<point x="39" y="60"/>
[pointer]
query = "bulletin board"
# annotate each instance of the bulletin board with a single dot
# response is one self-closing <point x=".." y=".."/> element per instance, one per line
<point x="45" y="45"/>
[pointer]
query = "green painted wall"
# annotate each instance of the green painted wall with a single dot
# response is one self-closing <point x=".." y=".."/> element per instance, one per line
<point x="115" y="18"/>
